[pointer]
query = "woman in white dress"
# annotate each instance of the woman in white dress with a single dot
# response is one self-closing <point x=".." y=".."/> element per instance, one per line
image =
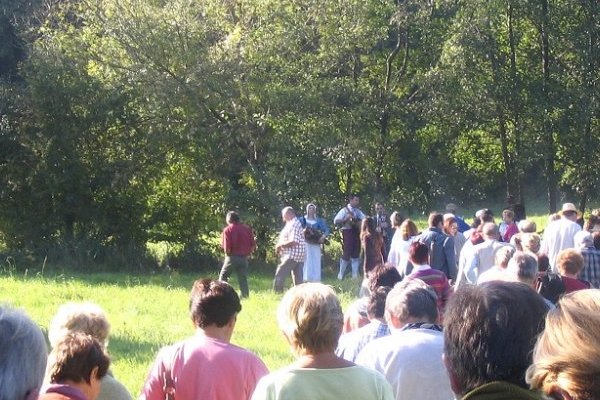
<point x="403" y="237"/>
<point x="316" y="231"/>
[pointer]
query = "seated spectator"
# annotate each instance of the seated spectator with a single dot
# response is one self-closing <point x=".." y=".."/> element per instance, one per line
<point x="90" y="319"/>
<point x="411" y="358"/>
<point x="489" y="334"/>
<point x="76" y="365"/>
<point x="566" y="359"/>
<point x="356" y="315"/>
<point x="351" y="343"/>
<point x="207" y="365"/>
<point x="310" y="317"/>
<point x="569" y="263"/>
<point x="498" y="271"/>
<point x="23" y="356"/>
<point x="419" y="254"/>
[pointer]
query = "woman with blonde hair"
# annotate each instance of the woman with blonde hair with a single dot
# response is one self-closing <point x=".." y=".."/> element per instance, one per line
<point x="310" y="317"/>
<point x="566" y="358"/>
<point x="90" y="319"/>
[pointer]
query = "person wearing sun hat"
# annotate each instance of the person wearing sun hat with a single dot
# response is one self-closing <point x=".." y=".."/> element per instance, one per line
<point x="560" y="234"/>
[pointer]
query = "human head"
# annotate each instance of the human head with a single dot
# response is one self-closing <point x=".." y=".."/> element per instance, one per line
<point x="311" y="209"/>
<point x="213" y="303"/>
<point x="288" y="214"/>
<point x="408" y="229"/>
<point x="78" y="358"/>
<point x="583" y="239"/>
<point x="383" y="275"/>
<point x="526" y="226"/>
<point x="411" y="301"/>
<point x="396" y="219"/>
<point x="508" y="216"/>
<point x="596" y="237"/>
<point x="418" y="253"/>
<point x="450" y="226"/>
<point x="23" y="352"/>
<point x="354" y="200"/>
<point x="543" y="262"/>
<point x="436" y="220"/>
<point x="311" y="318"/>
<point x="566" y="357"/>
<point x="503" y="256"/>
<point x="489" y="332"/>
<point x="486" y="215"/>
<point x="531" y="242"/>
<point x="376" y="306"/>
<point x="232" y="217"/>
<point x="569" y="262"/>
<point x="523" y="268"/>
<point x="592" y="223"/>
<point x="368" y="226"/>
<point x="476" y="223"/>
<point x="379" y="208"/>
<point x="569" y="211"/>
<point x="88" y="318"/>
<point x="490" y="231"/>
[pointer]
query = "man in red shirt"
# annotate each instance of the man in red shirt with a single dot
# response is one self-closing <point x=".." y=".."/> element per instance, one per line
<point x="237" y="241"/>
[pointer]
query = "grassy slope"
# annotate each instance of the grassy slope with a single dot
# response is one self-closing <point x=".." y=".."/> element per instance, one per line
<point x="147" y="312"/>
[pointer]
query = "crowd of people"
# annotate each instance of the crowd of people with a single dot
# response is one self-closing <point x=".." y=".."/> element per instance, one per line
<point x="479" y="312"/>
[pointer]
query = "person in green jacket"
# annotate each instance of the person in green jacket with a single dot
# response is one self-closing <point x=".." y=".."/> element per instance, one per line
<point x="489" y="333"/>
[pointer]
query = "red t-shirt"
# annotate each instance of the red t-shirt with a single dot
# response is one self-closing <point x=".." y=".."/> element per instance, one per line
<point x="237" y="239"/>
<point x="572" y="285"/>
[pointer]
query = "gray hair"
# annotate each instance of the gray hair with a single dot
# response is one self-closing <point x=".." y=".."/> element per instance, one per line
<point x="412" y="298"/>
<point x="523" y="267"/>
<point x="23" y="353"/>
<point x="88" y="318"/>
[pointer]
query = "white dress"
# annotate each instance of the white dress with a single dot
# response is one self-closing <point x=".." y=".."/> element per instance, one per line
<point x="312" y="263"/>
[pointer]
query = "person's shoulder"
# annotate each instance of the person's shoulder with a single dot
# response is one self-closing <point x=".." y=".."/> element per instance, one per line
<point x="112" y="389"/>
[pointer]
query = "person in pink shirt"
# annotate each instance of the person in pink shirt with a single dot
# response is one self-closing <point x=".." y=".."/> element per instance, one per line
<point x="206" y="366"/>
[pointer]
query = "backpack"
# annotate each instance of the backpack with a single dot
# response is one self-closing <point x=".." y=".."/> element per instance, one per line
<point x="550" y="286"/>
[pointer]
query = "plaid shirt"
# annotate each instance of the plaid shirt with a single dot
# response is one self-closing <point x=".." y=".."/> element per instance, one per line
<point x="293" y="231"/>
<point x="351" y="343"/>
<point x="591" y="266"/>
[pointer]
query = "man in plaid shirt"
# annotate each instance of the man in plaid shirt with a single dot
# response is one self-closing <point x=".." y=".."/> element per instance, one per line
<point x="591" y="258"/>
<point x="291" y="247"/>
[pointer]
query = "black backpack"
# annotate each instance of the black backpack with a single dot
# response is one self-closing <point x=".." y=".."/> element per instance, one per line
<point x="550" y="286"/>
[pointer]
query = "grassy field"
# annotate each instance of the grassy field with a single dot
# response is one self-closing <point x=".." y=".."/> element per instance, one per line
<point x="147" y="312"/>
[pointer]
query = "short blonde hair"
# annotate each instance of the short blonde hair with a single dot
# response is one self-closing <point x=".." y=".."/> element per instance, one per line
<point x="531" y="241"/>
<point x="88" y="318"/>
<point x="311" y="318"/>
<point x="567" y="353"/>
<point x="569" y="261"/>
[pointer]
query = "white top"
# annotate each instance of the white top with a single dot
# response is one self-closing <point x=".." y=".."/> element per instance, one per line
<point x="483" y="257"/>
<point x="411" y="361"/>
<point x="495" y="273"/>
<point x="558" y="235"/>
<point x="350" y="383"/>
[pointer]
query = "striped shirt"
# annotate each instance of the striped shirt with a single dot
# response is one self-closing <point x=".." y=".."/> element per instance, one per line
<point x="437" y="280"/>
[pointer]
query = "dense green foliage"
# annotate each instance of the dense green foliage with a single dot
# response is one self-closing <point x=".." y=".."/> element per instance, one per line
<point x="124" y="122"/>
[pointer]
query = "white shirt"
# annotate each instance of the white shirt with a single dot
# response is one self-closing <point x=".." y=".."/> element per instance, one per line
<point x="559" y="235"/>
<point x="411" y="361"/>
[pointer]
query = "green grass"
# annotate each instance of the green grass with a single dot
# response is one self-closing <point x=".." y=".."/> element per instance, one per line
<point x="147" y="312"/>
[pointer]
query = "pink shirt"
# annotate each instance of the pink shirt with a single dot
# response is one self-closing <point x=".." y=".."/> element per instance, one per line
<point x="204" y="368"/>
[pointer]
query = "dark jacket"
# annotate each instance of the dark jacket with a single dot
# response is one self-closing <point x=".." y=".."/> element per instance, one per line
<point x="441" y="251"/>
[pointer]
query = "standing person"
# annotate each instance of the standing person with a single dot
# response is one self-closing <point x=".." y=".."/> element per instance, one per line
<point x="372" y="245"/>
<point x="237" y="241"/>
<point x="383" y="227"/>
<point x="460" y="221"/>
<point x="441" y="256"/>
<point x="310" y="317"/>
<point x="508" y="228"/>
<point x="411" y="358"/>
<point x="317" y="234"/>
<point x="291" y="247"/>
<point x="483" y="256"/>
<point x="560" y="233"/>
<point x="451" y="229"/>
<point x="591" y="258"/>
<point x="349" y="219"/>
<point x="206" y="366"/>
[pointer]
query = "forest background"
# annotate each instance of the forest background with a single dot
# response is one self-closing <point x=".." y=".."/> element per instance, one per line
<point x="129" y="122"/>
